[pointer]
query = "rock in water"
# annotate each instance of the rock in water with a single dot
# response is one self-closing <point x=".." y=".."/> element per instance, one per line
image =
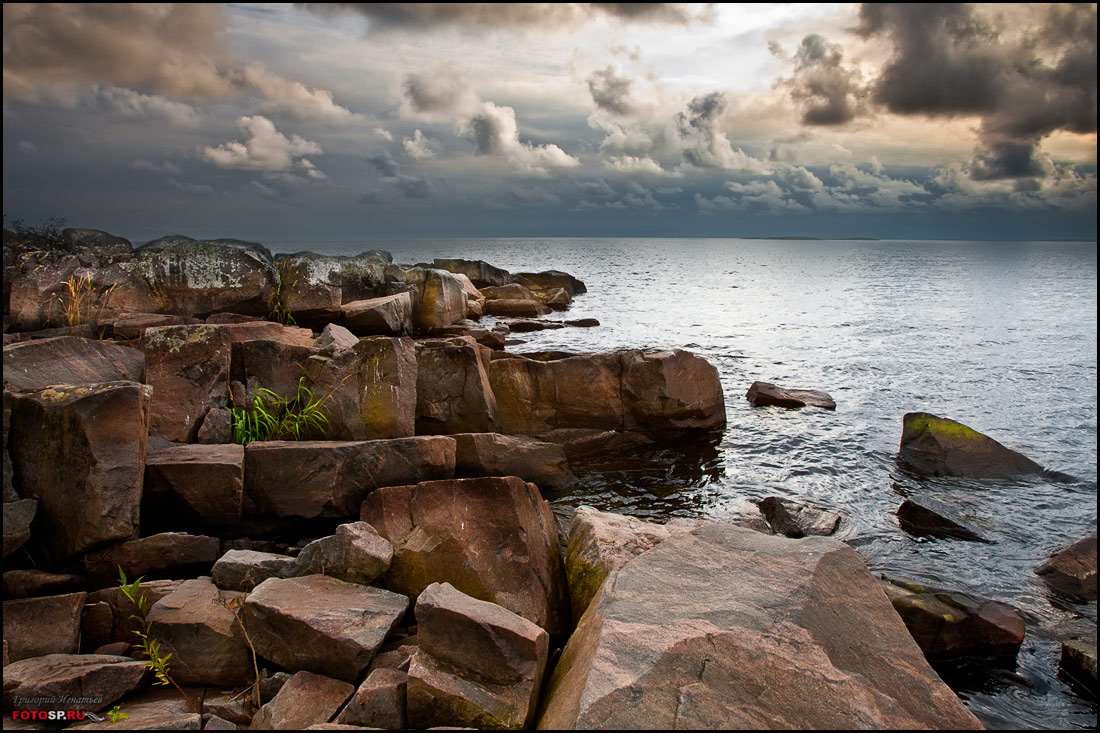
<point x="765" y="393"/>
<point x="925" y="517"/>
<point x="938" y="446"/>
<point x="1072" y="571"/>
<point x="724" y="627"/>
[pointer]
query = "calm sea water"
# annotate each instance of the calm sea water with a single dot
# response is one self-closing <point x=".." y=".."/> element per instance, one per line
<point x="998" y="335"/>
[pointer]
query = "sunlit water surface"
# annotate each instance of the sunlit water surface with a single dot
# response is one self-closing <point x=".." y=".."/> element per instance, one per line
<point x="998" y="335"/>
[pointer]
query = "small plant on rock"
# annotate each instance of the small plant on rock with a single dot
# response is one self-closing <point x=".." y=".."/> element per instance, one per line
<point x="77" y="300"/>
<point x="274" y="417"/>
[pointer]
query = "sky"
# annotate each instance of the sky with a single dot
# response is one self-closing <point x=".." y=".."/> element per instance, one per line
<point x="315" y="122"/>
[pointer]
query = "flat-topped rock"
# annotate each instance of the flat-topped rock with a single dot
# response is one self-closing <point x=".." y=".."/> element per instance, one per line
<point x="355" y="553"/>
<point x="90" y="682"/>
<point x="764" y="393"/>
<point x="380" y="702"/>
<point x="453" y="394"/>
<point x="332" y="478"/>
<point x="156" y="553"/>
<point x="480" y="273"/>
<point x="939" y="446"/>
<point x="492" y="454"/>
<point x="154" y="709"/>
<point x="33" y="365"/>
<point x="203" y="483"/>
<point x="516" y="308"/>
<point x="549" y="280"/>
<point x="320" y="624"/>
<point x="243" y="570"/>
<point x="807" y="641"/>
<point x="390" y="315"/>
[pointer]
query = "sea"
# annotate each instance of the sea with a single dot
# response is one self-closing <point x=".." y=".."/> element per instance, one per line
<point x="998" y="335"/>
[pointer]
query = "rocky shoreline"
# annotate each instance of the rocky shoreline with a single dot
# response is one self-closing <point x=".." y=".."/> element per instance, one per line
<point x="394" y="563"/>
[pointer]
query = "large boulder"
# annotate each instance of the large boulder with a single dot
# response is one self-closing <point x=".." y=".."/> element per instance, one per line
<point x="1072" y="570"/>
<point x="481" y="273"/>
<point x="203" y="483"/>
<point x="948" y="623"/>
<point x="270" y="365"/>
<point x="369" y="389"/>
<point x="154" y="554"/>
<point x="453" y="394"/>
<point x="390" y="315"/>
<point x="131" y="326"/>
<point x="671" y="390"/>
<point x="188" y="368"/>
<point x="102" y="431"/>
<point x="196" y="625"/>
<point x="34" y="627"/>
<point x="69" y="360"/>
<point x="320" y="624"/>
<point x="304" y="700"/>
<point x="492" y="454"/>
<point x="478" y="665"/>
<point x="765" y="393"/>
<point x="327" y="478"/>
<point x="158" y="708"/>
<point x="243" y="570"/>
<point x="512" y="291"/>
<point x="113" y="609"/>
<point x="89" y="682"/>
<point x="550" y="280"/>
<point x="491" y="538"/>
<point x="723" y="627"/>
<point x="188" y="277"/>
<point x="516" y="308"/>
<point x="441" y="299"/>
<point x="938" y="446"/>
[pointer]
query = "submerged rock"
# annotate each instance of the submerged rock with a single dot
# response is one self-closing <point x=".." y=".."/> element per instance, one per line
<point x="765" y="393"/>
<point x="938" y="446"/>
<point x="723" y="627"/>
<point x="925" y="517"/>
<point x="952" y="623"/>
<point x="1078" y="660"/>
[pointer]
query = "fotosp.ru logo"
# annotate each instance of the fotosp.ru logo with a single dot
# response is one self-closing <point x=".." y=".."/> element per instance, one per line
<point x="55" y="715"/>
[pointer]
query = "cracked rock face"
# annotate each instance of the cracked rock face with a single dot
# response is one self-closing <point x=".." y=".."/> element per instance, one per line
<point x="727" y="628"/>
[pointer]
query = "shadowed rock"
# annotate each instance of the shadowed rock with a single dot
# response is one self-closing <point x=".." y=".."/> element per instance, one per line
<point x="761" y="394"/>
<point x="304" y="700"/>
<point x="379" y="702"/>
<point x="197" y="482"/>
<point x="927" y="517"/>
<point x="938" y="446"/>
<point x="807" y="640"/>
<point x="1072" y="571"/>
<point x="480" y="273"/>
<point x="155" y="709"/>
<point x="243" y="570"/>
<point x="516" y="308"/>
<point x="453" y="394"/>
<point x="356" y="553"/>
<point x="549" y="280"/>
<point x="18" y="516"/>
<point x="34" y="627"/>
<point x="153" y="554"/>
<point x="492" y="454"/>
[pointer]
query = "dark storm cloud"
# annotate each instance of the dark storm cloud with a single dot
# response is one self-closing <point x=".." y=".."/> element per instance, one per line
<point x="390" y="169"/>
<point x="949" y="61"/>
<point x="386" y="165"/>
<point x="511" y="15"/>
<point x="828" y="93"/>
<point x="440" y="91"/>
<point x="611" y="91"/>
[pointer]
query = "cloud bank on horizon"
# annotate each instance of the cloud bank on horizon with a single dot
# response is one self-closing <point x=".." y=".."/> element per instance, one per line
<point x="380" y="120"/>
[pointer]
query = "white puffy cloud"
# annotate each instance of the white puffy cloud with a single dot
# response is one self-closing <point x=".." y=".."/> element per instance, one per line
<point x="135" y="105"/>
<point x="294" y="98"/>
<point x="419" y="147"/>
<point x="496" y="134"/>
<point x="266" y="149"/>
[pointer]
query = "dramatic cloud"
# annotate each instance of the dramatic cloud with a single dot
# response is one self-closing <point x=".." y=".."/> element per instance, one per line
<point x="412" y="186"/>
<point x="706" y="144"/>
<point x="441" y="92"/>
<point x="294" y="98"/>
<point x="165" y="48"/>
<point x="489" y="16"/>
<point x="496" y="134"/>
<point x="949" y="61"/>
<point x="610" y="91"/>
<point x="827" y="92"/>
<point x="266" y="149"/>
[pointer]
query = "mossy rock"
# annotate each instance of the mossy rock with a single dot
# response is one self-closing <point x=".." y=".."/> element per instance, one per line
<point x="939" y="446"/>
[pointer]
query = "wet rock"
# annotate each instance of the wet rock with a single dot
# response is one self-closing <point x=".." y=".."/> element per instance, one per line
<point x="391" y="315"/>
<point x="196" y="278"/>
<point x="35" y="627"/>
<point x="18" y="516"/>
<point x="332" y="478"/>
<point x="196" y="626"/>
<point x="516" y="308"/>
<point x="453" y="394"/>
<point x="555" y="298"/>
<point x="1072" y="571"/>
<point x="305" y="699"/>
<point x="102" y="432"/>
<point x="441" y="301"/>
<point x="526" y="326"/>
<point x="132" y="326"/>
<point x="98" y="680"/>
<point x="1078" y="661"/>
<point x="243" y="570"/>
<point x="764" y="393"/>
<point x="478" y="665"/>
<point x="38" y="364"/>
<point x="203" y="483"/>
<point x="938" y="446"/>
<point x="492" y="538"/>
<point x="320" y="624"/>
<point x="671" y="390"/>
<point x="602" y="542"/>
<point x="480" y="273"/>
<point x="157" y="553"/>
<point x="29" y="583"/>
<point x="798" y="519"/>
<point x="581" y="443"/>
<point x="582" y="322"/>
<point x="335" y="338"/>
<point x="356" y="553"/>
<point x="511" y="291"/>
<point x="379" y="702"/>
<point x="372" y="389"/>
<point x="188" y="368"/>
<point x="808" y="641"/>
<point x="948" y="623"/>
<point x="492" y="454"/>
<point x="549" y="280"/>
<point x="927" y="517"/>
